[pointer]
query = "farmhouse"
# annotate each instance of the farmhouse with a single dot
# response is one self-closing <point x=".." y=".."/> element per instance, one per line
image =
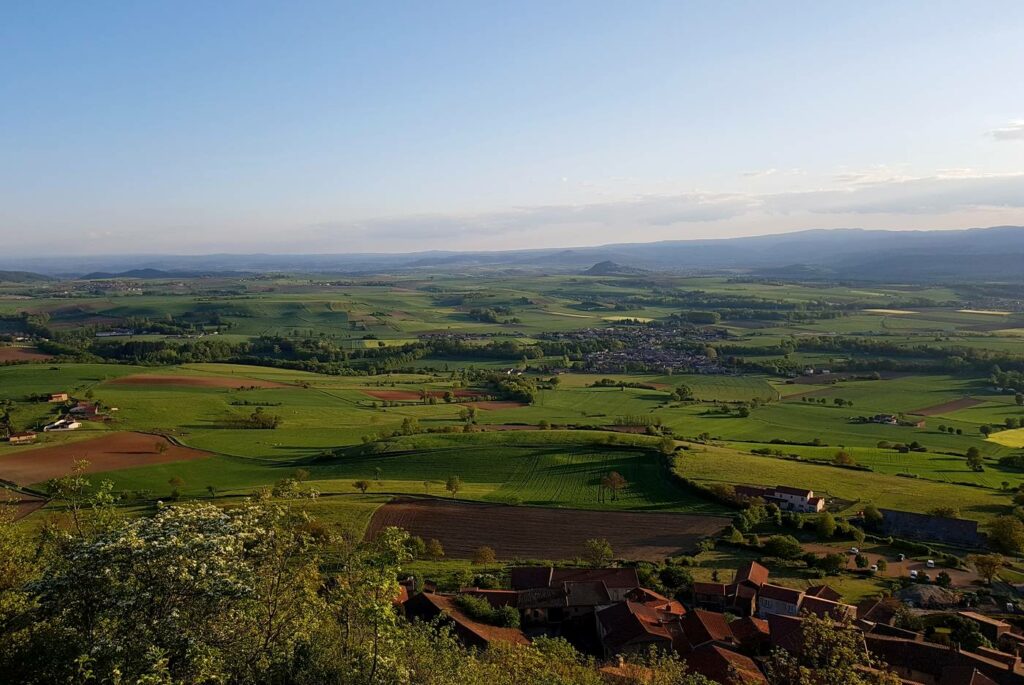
<point x="22" y="438"/>
<point x="618" y="581"/>
<point x="739" y="597"/>
<point x="786" y="498"/>
<point x="629" y="627"/>
<point x="63" y="424"/>
<point x="58" y="397"/>
<point x="776" y="599"/>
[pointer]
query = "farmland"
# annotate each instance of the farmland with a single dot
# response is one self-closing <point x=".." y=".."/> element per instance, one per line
<point x="382" y="388"/>
<point x="533" y="533"/>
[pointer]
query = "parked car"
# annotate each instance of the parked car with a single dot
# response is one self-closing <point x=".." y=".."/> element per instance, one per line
<point x="930" y="564"/>
<point x="901" y="557"/>
<point x="913" y="574"/>
<point x="874" y="568"/>
<point x="854" y="550"/>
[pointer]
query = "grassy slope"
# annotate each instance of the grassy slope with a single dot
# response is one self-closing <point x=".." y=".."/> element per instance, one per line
<point x="550" y="468"/>
<point x="723" y="465"/>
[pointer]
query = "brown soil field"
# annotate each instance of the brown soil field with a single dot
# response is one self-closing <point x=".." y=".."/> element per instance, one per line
<point x="108" y="452"/>
<point x="497" y="404"/>
<point x="22" y="354"/>
<point x="540" y="533"/>
<point x="23" y="504"/>
<point x="946" y="407"/>
<point x="196" y="381"/>
<point x="414" y="395"/>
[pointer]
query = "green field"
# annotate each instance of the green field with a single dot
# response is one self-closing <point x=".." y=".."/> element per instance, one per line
<point x="720" y="465"/>
<point x="535" y="468"/>
<point x="755" y="400"/>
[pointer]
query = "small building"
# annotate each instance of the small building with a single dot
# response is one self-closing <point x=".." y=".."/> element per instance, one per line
<point x="84" y="410"/>
<point x="618" y="581"/>
<point x="787" y="498"/>
<point x="22" y="438"/>
<point x="992" y="628"/>
<point x="826" y="608"/>
<point x="63" y="424"/>
<point x="629" y="627"/>
<point x="722" y="665"/>
<point x="654" y="600"/>
<point x="710" y="596"/>
<point x="703" y="627"/>
<point x="58" y="397"/>
<point x="776" y="599"/>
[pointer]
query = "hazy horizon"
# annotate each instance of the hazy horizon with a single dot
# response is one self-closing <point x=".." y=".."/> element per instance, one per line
<point x="333" y="128"/>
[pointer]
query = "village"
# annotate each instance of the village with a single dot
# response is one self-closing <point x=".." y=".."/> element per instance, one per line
<point x="724" y="631"/>
<point x="642" y="348"/>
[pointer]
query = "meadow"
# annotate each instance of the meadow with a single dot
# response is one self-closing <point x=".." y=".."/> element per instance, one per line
<point x="335" y="428"/>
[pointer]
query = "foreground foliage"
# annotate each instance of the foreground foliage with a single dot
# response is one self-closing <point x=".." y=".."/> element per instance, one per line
<point x="203" y="594"/>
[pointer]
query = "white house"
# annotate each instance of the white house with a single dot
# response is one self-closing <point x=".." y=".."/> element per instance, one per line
<point x="64" y="424"/>
<point x="775" y="599"/>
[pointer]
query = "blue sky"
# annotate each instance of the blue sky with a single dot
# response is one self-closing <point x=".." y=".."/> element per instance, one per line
<point x="327" y="126"/>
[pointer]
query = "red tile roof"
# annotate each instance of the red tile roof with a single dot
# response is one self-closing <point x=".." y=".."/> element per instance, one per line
<point x="781" y="594"/>
<point x="496" y="598"/>
<point x="982" y="618"/>
<point x="802" y="492"/>
<point x="823" y="608"/>
<point x="752" y="572"/>
<point x="481" y="633"/>
<point x="785" y="632"/>
<point x="824" y="591"/>
<point x="654" y="600"/>
<point x="878" y="610"/>
<point x="948" y="666"/>
<point x="750" y="630"/>
<point x="529" y="577"/>
<point x="629" y="624"/>
<point x="724" y="665"/>
<point x="703" y="626"/>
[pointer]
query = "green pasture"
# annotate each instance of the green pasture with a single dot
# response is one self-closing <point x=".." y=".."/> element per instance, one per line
<point x="722" y="465"/>
<point x="557" y="468"/>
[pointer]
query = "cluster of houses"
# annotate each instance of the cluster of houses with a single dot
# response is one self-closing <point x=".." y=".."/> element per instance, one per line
<point x="73" y="417"/>
<point x="641" y="348"/>
<point x="892" y="420"/>
<point x="70" y="420"/>
<point x="799" y="500"/>
<point x="725" y="634"/>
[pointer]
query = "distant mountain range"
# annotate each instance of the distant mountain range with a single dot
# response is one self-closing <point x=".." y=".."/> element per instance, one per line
<point x="978" y="254"/>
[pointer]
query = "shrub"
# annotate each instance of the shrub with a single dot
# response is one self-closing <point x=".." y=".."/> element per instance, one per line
<point x="783" y="547"/>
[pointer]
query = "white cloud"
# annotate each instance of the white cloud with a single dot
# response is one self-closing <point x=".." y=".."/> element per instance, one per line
<point x="1012" y="131"/>
<point x="905" y="201"/>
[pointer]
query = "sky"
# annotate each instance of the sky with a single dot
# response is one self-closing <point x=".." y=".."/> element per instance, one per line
<point x="318" y="127"/>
